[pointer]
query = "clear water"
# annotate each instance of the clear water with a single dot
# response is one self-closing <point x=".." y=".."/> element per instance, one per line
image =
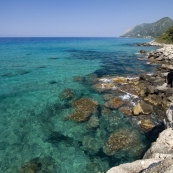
<point x="33" y="73"/>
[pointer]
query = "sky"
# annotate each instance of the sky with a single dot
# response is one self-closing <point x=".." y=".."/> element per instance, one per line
<point x="78" y="18"/>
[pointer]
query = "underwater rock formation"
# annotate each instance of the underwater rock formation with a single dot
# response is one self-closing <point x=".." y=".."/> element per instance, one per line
<point x="93" y="122"/>
<point x="114" y="103"/>
<point x="39" y="165"/>
<point x="91" y="145"/>
<point x="67" y="94"/>
<point x="84" y="108"/>
<point x="121" y="140"/>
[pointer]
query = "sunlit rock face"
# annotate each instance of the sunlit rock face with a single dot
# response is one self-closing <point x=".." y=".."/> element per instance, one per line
<point x="142" y="107"/>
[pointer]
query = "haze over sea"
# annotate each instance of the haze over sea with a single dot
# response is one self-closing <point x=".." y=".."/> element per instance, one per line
<point x="33" y="75"/>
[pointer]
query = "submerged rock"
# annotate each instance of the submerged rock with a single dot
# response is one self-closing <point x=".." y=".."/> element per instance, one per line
<point x="125" y="110"/>
<point x="93" y="122"/>
<point x="143" y="51"/>
<point x="84" y="108"/>
<point x="39" y="165"/>
<point x="52" y="82"/>
<point x="91" y="145"/>
<point x="67" y="94"/>
<point x="114" y="103"/>
<point x="79" y="79"/>
<point x="121" y="140"/>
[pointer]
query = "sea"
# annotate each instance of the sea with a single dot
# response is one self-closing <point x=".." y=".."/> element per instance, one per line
<point x="36" y="76"/>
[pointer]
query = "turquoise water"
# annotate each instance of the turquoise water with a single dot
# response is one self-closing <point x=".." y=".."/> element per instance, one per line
<point x="33" y="75"/>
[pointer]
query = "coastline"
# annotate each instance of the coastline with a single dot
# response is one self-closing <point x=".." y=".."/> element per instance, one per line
<point x="160" y="155"/>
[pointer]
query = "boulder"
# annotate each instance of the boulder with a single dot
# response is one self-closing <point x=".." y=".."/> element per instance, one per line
<point x="134" y="167"/>
<point x="158" y="82"/>
<point x="163" y="145"/>
<point x="143" y="51"/>
<point x="153" y="99"/>
<point x="169" y="92"/>
<point x="164" y="166"/>
<point x="142" y="107"/>
<point x="114" y="103"/>
<point x="162" y="88"/>
<point x="67" y="94"/>
<point x="147" y="125"/>
<point x="84" y="108"/>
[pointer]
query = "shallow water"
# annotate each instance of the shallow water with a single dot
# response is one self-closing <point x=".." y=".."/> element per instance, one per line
<point x="33" y="124"/>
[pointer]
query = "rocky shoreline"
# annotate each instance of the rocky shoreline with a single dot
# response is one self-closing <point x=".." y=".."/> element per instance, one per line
<point x="154" y="94"/>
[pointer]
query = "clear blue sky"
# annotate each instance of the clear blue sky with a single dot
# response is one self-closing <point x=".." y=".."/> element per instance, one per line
<point x="106" y="18"/>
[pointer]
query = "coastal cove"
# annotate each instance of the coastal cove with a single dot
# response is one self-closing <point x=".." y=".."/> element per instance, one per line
<point x="69" y="104"/>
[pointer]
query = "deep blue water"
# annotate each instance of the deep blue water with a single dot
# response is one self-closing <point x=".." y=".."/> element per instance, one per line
<point x="33" y="74"/>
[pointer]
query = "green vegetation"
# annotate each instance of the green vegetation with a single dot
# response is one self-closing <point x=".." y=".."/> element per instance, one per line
<point x="150" y="30"/>
<point x="167" y="37"/>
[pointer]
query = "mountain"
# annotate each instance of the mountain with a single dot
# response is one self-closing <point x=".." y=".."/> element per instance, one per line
<point x="166" y="37"/>
<point x="150" y="30"/>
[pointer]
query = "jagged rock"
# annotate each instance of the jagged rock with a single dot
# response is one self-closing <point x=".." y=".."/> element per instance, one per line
<point x="114" y="103"/>
<point x="147" y="125"/>
<point x="79" y="79"/>
<point x="84" y="108"/>
<point x="163" y="144"/>
<point x="134" y="167"/>
<point x="153" y="99"/>
<point x="165" y="166"/>
<point x="143" y="108"/>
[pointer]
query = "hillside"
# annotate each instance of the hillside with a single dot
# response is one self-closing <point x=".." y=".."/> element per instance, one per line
<point x="150" y="30"/>
<point x="166" y="37"/>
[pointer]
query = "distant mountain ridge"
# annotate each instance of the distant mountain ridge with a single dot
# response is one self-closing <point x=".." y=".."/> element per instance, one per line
<point x="150" y="30"/>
